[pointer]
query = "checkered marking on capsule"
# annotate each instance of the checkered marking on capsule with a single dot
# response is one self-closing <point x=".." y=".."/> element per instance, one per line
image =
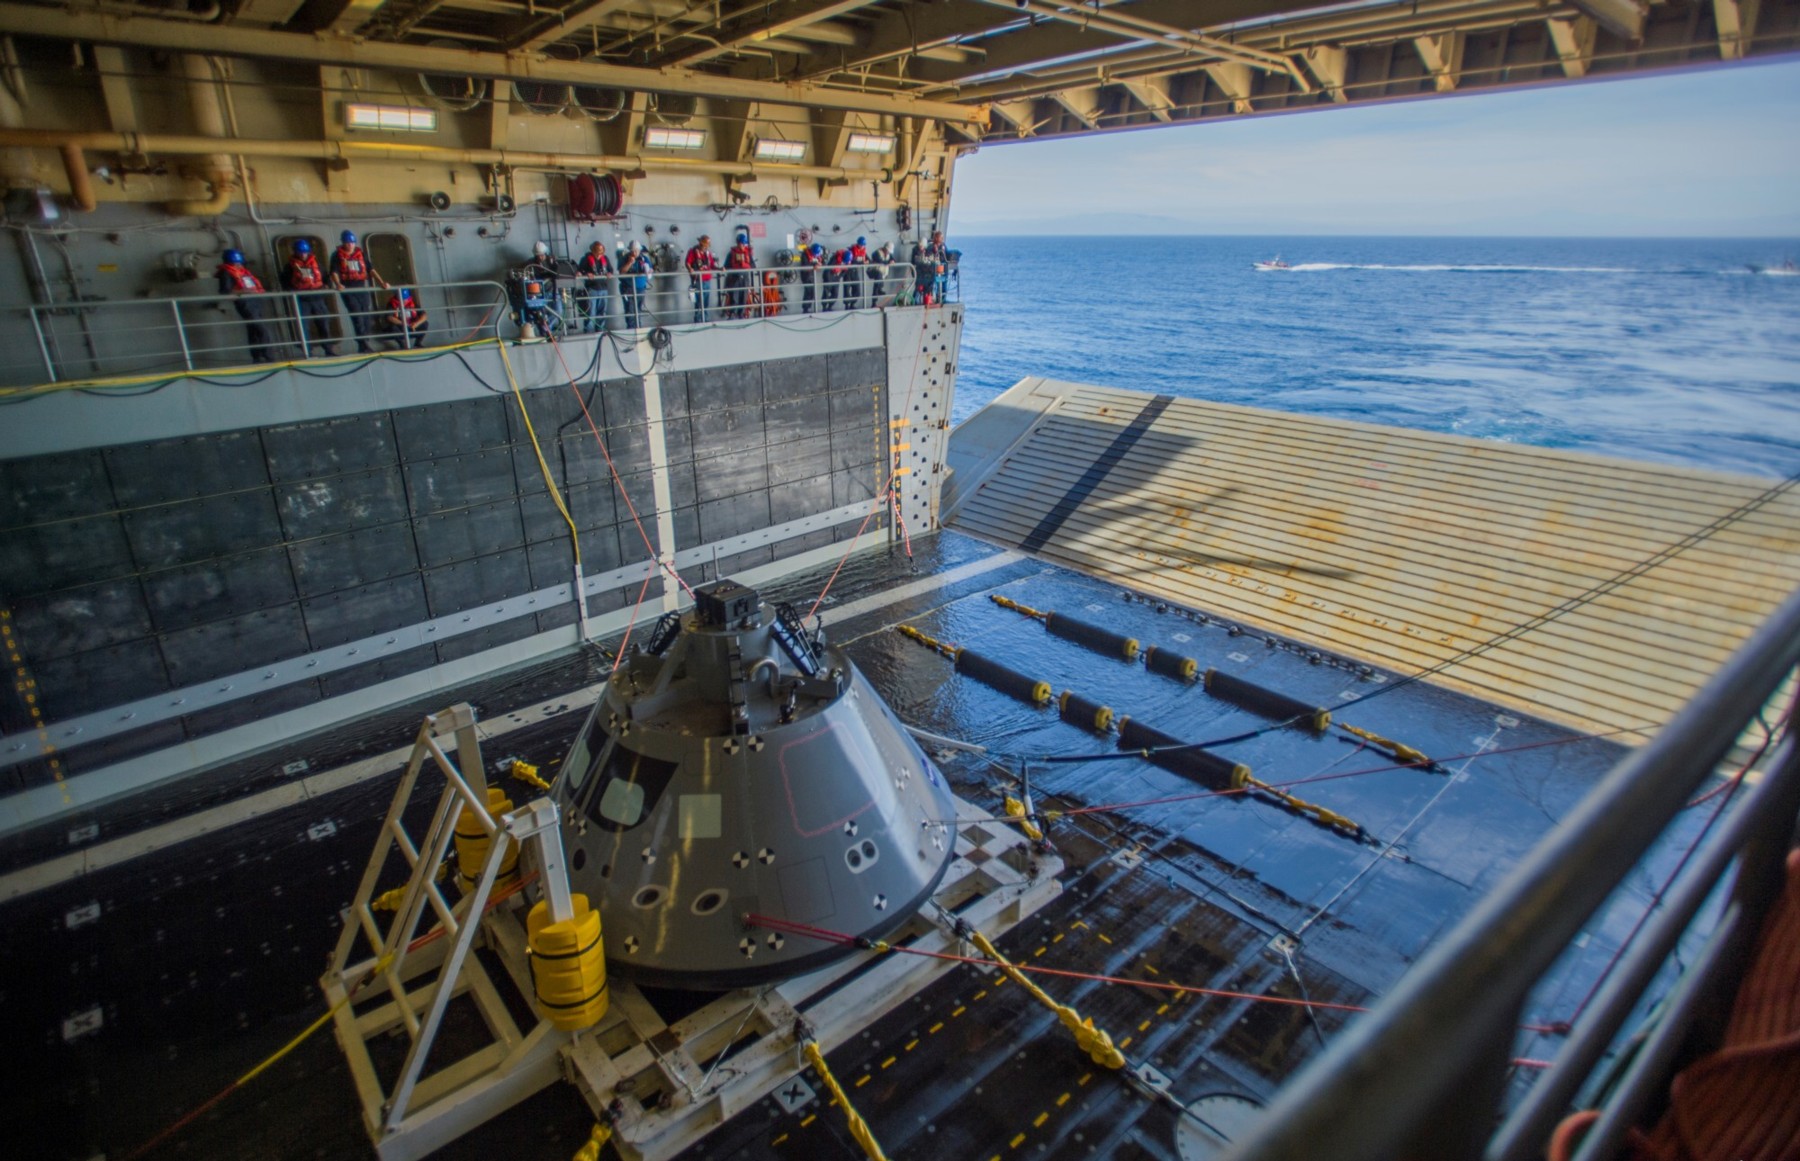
<point x="747" y="945"/>
<point x="649" y="856"/>
<point x="740" y="860"/>
<point x="631" y="945"/>
<point x="850" y="828"/>
<point x="775" y="941"/>
<point x="880" y="902"/>
<point x="765" y="856"/>
<point x="731" y="746"/>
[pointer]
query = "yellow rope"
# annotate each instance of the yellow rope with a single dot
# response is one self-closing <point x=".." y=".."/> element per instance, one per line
<point x="1015" y="606"/>
<point x="544" y="467"/>
<point x="1398" y="749"/>
<point x="929" y="642"/>
<point x="859" y="1128"/>
<point x="349" y="994"/>
<point x="184" y="373"/>
<point x="600" y="1136"/>
<point x="1016" y="810"/>
<point x="1094" y="1041"/>
<point x="1329" y="817"/>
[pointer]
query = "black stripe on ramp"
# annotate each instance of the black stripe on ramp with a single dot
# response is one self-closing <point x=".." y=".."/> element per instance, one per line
<point x="1097" y="471"/>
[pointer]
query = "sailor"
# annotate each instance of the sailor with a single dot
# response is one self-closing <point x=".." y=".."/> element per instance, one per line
<point x="880" y="263"/>
<point x="351" y="273"/>
<point x="405" y="322"/>
<point x="594" y="267"/>
<point x="834" y="274"/>
<point x="812" y="259"/>
<point x="928" y="260"/>
<point x="739" y="260"/>
<point x="634" y="280"/>
<point x="236" y="280"/>
<point x="855" y="257"/>
<point x="300" y="275"/>
<point x="701" y="262"/>
<point x="534" y="294"/>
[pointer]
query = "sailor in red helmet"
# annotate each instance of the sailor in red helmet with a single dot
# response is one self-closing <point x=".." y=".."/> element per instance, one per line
<point x="739" y="261"/>
<point x="351" y="274"/>
<point x="300" y="275"/>
<point x="404" y="321"/>
<point x="701" y="262"/>
<point x="246" y="289"/>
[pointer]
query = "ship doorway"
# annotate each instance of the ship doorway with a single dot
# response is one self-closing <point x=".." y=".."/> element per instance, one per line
<point x="392" y="255"/>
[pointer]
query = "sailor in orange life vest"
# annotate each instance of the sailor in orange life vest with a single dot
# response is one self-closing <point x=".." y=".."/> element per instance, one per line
<point x="351" y="274"/>
<point x="593" y="268"/>
<point x="701" y="262"/>
<point x="300" y="275"/>
<point x="739" y="260"/>
<point x="404" y="321"/>
<point x="855" y="258"/>
<point x="236" y="280"/>
<point x="812" y="260"/>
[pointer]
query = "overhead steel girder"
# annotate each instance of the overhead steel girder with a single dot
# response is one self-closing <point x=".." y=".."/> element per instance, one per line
<point x="764" y="27"/>
<point x="547" y="28"/>
<point x="1622" y="18"/>
<point x="1117" y="21"/>
<point x="106" y="28"/>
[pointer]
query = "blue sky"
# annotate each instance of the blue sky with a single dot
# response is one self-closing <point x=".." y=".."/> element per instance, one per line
<point x="1704" y="152"/>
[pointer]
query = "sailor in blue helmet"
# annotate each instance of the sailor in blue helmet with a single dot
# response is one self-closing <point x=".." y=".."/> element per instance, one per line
<point x="739" y="261"/>
<point x="246" y="290"/>
<point x="405" y="322"/>
<point x="811" y="260"/>
<point x="351" y="274"/>
<point x="300" y="276"/>
<point x="855" y="258"/>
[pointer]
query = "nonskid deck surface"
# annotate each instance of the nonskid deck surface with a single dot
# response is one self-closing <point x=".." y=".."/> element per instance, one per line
<point x="140" y="991"/>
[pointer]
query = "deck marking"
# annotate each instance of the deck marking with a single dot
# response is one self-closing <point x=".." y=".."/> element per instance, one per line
<point x="1062" y="1100"/>
<point x="981" y="995"/>
<point x="1125" y="1043"/>
<point x="890" y="1060"/>
<point x="1103" y="938"/>
<point x="1057" y="938"/>
<point x="1162" y="1009"/>
<point x="933" y="1030"/>
<point x="910" y="1045"/>
<point x="1144" y="1027"/>
<point x="1016" y="1140"/>
<point x="958" y="1012"/>
<point x="778" y="1140"/>
<point x="1038" y="952"/>
<point x="810" y="1118"/>
<point x="1076" y="924"/>
<point x="865" y="1078"/>
<point x="1038" y="1121"/>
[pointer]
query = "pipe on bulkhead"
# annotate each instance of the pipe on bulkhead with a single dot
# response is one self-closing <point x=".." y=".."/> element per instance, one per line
<point x="209" y="118"/>
<point x="350" y="151"/>
<point x="18" y="170"/>
<point x="81" y="186"/>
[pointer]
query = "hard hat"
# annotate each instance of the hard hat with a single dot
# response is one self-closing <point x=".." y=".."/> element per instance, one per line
<point x="817" y="249"/>
<point x="634" y="247"/>
<point x="743" y="238"/>
<point x="234" y="257"/>
<point x="540" y="248"/>
<point x="348" y="237"/>
<point x="303" y="247"/>
<point x="405" y="295"/>
<point x="862" y="241"/>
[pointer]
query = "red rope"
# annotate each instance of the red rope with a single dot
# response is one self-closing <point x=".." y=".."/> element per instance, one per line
<point x="617" y="482"/>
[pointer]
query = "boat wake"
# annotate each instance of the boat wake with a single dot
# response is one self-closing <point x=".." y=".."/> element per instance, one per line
<point x="1316" y="267"/>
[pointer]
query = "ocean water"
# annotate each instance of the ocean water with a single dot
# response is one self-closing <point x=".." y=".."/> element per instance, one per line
<point x="1666" y="350"/>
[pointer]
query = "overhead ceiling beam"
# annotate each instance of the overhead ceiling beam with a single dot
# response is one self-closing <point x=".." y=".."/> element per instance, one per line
<point x="760" y="27"/>
<point x="1153" y="94"/>
<point x="1622" y="18"/>
<point x="1331" y="65"/>
<point x="1081" y="104"/>
<point x="107" y="28"/>
<point x="549" y="29"/>
<point x="1443" y="57"/>
<point x="1119" y="23"/>
<point x="1574" y="43"/>
<point x="1233" y="79"/>
<point x="1737" y="25"/>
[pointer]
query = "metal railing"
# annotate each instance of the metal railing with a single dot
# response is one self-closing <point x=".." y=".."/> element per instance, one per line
<point x="674" y="298"/>
<point x="77" y="341"/>
<point x="89" y="340"/>
<point x="1424" y="1074"/>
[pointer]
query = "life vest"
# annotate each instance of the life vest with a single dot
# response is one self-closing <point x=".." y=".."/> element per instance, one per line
<point x="304" y="273"/>
<point x="242" y="278"/>
<point x="859" y="254"/>
<point x="355" y="266"/>
<point x="771" y="293"/>
<point x="407" y="309"/>
<point x="701" y="261"/>
<point x="740" y="258"/>
<point x="594" y="265"/>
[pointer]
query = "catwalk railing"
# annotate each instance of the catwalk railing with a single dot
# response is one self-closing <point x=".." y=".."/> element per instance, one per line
<point x="78" y="341"/>
<point x="1424" y="1074"/>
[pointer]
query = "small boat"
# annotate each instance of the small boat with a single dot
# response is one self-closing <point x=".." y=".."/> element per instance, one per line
<point x="1787" y="267"/>
<point x="1274" y="264"/>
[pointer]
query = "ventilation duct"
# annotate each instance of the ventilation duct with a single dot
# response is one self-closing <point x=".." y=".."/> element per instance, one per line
<point x="457" y="94"/>
<point x="673" y="108"/>
<point x="599" y="104"/>
<point x="542" y="97"/>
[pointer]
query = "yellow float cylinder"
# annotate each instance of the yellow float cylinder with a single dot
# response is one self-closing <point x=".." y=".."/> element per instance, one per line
<point x="568" y="965"/>
<point x="472" y="843"/>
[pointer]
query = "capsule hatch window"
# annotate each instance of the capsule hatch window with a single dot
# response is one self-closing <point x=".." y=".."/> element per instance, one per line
<point x="629" y="785"/>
